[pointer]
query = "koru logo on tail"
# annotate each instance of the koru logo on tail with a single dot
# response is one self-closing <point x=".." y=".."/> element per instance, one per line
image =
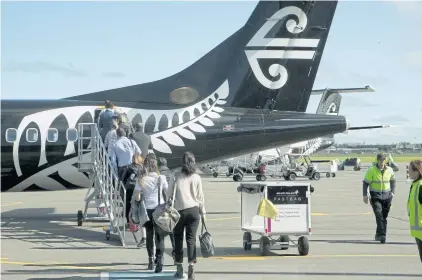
<point x="259" y="40"/>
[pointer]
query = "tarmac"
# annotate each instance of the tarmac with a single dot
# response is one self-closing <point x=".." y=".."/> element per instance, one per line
<point x="41" y="240"/>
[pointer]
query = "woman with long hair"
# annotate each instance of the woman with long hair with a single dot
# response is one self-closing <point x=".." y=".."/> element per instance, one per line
<point x="414" y="203"/>
<point x="129" y="179"/>
<point x="149" y="186"/>
<point x="189" y="202"/>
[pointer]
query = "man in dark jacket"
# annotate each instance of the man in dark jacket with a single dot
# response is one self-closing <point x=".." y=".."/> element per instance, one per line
<point x="142" y="139"/>
<point x="105" y="122"/>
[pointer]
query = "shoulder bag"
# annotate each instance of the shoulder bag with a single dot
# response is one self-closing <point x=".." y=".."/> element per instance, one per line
<point x="165" y="216"/>
<point x="206" y="242"/>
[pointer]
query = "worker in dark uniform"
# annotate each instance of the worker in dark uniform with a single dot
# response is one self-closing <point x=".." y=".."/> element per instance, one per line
<point x="381" y="181"/>
<point x="142" y="139"/>
<point x="414" y="203"/>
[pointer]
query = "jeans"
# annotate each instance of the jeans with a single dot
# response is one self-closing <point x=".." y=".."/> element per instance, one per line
<point x="129" y="193"/>
<point x="189" y="220"/>
<point x="419" y="243"/>
<point x="381" y="209"/>
<point x="151" y="230"/>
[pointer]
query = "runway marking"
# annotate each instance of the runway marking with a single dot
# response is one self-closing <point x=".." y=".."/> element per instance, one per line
<point x="64" y="265"/>
<point x="56" y="265"/>
<point x="259" y="258"/>
<point x="11" y="204"/>
<point x="337" y="196"/>
<point x="313" y="214"/>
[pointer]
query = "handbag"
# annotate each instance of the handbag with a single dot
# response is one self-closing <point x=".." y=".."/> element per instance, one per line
<point x="138" y="211"/>
<point x="165" y="216"/>
<point x="205" y="240"/>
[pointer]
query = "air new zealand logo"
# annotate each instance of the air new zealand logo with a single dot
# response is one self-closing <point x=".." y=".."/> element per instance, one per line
<point x="277" y="71"/>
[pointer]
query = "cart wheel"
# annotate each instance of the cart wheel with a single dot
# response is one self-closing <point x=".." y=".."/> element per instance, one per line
<point x="286" y="178"/>
<point x="303" y="246"/>
<point x="312" y="189"/>
<point x="258" y="177"/>
<point x="292" y="176"/>
<point x="247" y="241"/>
<point x="316" y="176"/>
<point x="358" y="168"/>
<point x="355" y="168"/>
<point x="328" y="175"/>
<point x="264" y="246"/>
<point x="215" y="174"/>
<point x="333" y="175"/>
<point x="108" y="235"/>
<point x="237" y="178"/>
<point x="263" y="177"/>
<point x="80" y="218"/>
<point x="284" y="238"/>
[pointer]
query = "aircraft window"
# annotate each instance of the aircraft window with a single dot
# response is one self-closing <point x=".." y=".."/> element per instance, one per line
<point x="52" y="135"/>
<point x="11" y="134"/>
<point x="71" y="134"/>
<point x="31" y="135"/>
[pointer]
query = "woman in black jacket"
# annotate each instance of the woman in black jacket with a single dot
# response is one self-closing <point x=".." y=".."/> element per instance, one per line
<point x="129" y="181"/>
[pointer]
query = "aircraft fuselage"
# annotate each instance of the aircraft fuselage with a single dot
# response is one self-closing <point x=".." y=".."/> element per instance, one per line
<point x="44" y="153"/>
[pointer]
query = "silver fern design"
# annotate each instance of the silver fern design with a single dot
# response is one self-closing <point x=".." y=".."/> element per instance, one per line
<point x="312" y="146"/>
<point x="173" y="136"/>
<point x="208" y="108"/>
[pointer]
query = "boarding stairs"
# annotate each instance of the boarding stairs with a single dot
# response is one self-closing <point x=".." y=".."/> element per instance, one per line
<point x="106" y="193"/>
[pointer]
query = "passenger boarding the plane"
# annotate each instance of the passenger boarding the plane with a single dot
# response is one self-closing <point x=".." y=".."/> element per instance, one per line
<point x="105" y="120"/>
<point x="142" y="139"/>
<point x="129" y="179"/>
<point x="123" y="122"/>
<point x="122" y="152"/>
<point x="111" y="137"/>
<point x="152" y="187"/>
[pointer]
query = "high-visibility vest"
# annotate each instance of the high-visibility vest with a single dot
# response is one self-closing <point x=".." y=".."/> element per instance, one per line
<point x="378" y="181"/>
<point x="414" y="209"/>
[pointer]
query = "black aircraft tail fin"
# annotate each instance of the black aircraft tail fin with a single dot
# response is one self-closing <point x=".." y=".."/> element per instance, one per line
<point x="273" y="57"/>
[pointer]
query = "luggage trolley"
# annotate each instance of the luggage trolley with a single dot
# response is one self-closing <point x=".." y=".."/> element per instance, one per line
<point x="293" y="202"/>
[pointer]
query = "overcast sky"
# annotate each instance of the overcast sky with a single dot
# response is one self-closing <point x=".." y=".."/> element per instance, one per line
<point x="54" y="50"/>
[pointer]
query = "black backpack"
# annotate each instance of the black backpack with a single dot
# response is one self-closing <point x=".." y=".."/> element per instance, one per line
<point x="131" y="177"/>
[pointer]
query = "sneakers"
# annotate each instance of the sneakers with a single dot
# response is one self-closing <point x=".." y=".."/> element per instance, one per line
<point x="382" y="239"/>
<point x="179" y="272"/>
<point x="191" y="272"/>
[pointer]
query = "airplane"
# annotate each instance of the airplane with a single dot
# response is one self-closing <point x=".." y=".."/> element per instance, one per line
<point x="223" y="105"/>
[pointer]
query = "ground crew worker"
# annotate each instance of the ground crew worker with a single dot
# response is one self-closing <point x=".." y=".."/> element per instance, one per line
<point x="414" y="203"/>
<point x="382" y="184"/>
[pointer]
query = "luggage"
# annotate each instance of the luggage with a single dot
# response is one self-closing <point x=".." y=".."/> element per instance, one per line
<point x="138" y="212"/>
<point x="205" y="240"/>
<point x="165" y="216"/>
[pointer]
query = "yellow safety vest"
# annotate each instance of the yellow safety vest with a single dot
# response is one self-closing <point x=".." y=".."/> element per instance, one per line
<point x="379" y="182"/>
<point x="414" y="209"/>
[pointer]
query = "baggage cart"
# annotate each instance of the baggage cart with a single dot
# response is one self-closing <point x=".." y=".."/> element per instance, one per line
<point x="293" y="202"/>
